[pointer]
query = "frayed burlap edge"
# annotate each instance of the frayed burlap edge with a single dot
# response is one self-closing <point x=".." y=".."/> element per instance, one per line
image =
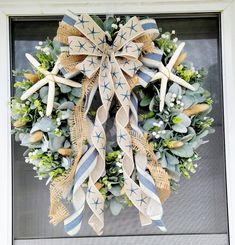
<point x="160" y="176"/>
<point x="78" y="131"/>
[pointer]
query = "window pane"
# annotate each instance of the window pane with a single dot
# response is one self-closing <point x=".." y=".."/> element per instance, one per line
<point x="200" y="204"/>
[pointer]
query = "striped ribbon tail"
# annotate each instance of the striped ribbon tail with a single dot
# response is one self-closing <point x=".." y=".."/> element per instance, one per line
<point x="154" y="208"/>
<point x="72" y="224"/>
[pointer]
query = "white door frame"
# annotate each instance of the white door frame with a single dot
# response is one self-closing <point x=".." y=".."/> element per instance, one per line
<point x="51" y="7"/>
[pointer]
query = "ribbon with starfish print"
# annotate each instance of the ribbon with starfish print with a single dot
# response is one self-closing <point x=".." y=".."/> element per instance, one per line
<point x="88" y="52"/>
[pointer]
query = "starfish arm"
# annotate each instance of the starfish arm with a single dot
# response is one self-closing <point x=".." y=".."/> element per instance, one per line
<point x="157" y="76"/>
<point x="55" y="69"/>
<point x="34" y="88"/>
<point x="163" y="92"/>
<point x="175" y="56"/>
<point x="36" y="64"/>
<point x="50" y="98"/>
<point x="67" y="82"/>
<point x="181" y="81"/>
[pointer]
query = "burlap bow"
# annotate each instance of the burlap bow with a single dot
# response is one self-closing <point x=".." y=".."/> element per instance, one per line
<point x="118" y="69"/>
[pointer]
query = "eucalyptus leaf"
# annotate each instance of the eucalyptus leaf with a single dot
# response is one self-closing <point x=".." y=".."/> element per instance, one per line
<point x="43" y="92"/>
<point x="163" y="160"/>
<point x="175" y="89"/>
<point x="171" y="159"/>
<point x="180" y="128"/>
<point x="76" y="92"/>
<point x="44" y="124"/>
<point x="149" y="124"/>
<point x="65" y="88"/>
<point x="66" y="105"/>
<point x="115" y="190"/>
<point x="188" y="100"/>
<point x="108" y="24"/>
<point x="185" y="151"/>
<point x="115" y="207"/>
<point x="55" y="142"/>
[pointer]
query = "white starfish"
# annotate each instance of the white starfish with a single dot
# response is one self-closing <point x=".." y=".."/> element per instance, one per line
<point x="51" y="78"/>
<point x="165" y="74"/>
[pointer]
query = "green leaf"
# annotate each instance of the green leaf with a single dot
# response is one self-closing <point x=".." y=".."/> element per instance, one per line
<point x="98" y="21"/>
<point x="145" y="101"/>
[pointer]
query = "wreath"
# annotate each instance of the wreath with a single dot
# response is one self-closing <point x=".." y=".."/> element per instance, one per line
<point x="111" y="116"/>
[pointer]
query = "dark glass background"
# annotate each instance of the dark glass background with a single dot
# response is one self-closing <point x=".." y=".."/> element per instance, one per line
<point x="199" y="207"/>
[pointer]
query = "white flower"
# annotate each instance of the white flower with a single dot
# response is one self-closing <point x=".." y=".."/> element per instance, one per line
<point x="182" y="104"/>
<point x="163" y="131"/>
<point x="163" y="36"/>
<point x="171" y="104"/>
<point x="195" y="165"/>
<point x="27" y="103"/>
<point x="37" y="47"/>
<point x="198" y="75"/>
<point x="155" y="124"/>
<point x="189" y="160"/>
<point x="178" y="102"/>
<point x="120" y="171"/>
<point x="119" y="164"/>
<point x="174" y="95"/>
<point x="157" y="136"/>
<point x="26" y="160"/>
<point x="40" y="43"/>
<point x="154" y="133"/>
<point x="179" y="97"/>
<point x="41" y="113"/>
<point x="120" y="25"/>
<point x="175" y="40"/>
<point x="161" y="123"/>
<point x="34" y="168"/>
<point x="114" y="26"/>
<point x="40" y="178"/>
<point x="118" y="19"/>
<point x="119" y="156"/>
<point x="173" y="32"/>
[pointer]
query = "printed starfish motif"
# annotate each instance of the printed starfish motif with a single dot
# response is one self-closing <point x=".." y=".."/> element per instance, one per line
<point x="96" y="203"/>
<point x="51" y="78"/>
<point x="142" y="200"/>
<point x="132" y="190"/>
<point x="165" y="74"/>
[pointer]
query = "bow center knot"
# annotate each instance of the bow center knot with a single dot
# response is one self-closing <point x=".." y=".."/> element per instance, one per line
<point x="108" y="51"/>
